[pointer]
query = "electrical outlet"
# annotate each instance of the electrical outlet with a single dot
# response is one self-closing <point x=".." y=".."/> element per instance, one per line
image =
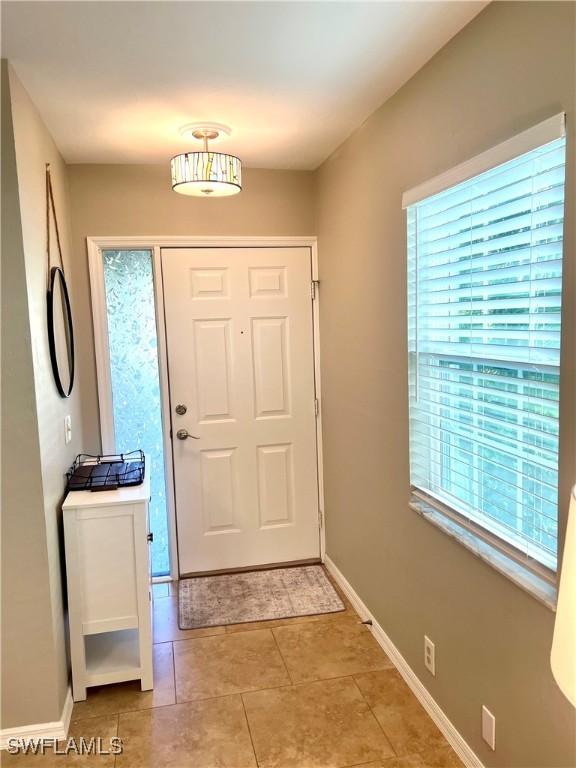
<point x="68" y="429"/>
<point x="488" y="727"/>
<point x="429" y="655"/>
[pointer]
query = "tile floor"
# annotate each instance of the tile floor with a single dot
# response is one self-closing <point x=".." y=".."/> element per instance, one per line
<point x="310" y="692"/>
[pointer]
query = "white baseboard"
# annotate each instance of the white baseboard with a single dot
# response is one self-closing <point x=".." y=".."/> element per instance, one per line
<point x="58" y="729"/>
<point x="456" y="741"/>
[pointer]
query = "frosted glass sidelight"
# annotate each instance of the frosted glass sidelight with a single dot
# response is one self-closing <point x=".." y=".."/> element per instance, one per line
<point x="132" y="340"/>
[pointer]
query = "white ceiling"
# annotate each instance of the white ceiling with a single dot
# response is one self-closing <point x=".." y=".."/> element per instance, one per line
<point x="114" y="81"/>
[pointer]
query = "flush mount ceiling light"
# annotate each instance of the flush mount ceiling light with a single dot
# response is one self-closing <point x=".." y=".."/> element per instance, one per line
<point x="205" y="173"/>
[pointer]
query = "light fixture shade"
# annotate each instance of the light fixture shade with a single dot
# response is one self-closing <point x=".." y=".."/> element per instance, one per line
<point x="563" y="658"/>
<point x="206" y="174"/>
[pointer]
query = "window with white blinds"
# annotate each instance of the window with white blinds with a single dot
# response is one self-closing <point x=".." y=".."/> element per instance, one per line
<point x="485" y="286"/>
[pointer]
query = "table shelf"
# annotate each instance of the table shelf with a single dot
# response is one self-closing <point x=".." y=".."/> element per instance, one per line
<point x="112" y="657"/>
<point x="108" y="575"/>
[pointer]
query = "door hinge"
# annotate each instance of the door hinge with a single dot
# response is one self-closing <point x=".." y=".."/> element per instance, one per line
<point x="320" y="519"/>
<point x="314" y="288"/>
<point x="316" y="406"/>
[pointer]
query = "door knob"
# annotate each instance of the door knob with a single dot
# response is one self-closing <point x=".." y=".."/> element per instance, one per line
<point x="183" y="434"/>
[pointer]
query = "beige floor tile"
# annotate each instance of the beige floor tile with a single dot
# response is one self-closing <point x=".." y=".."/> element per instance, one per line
<point x="441" y="757"/>
<point x="405" y="723"/>
<point x="206" y="734"/>
<point x="349" y="614"/>
<point x="219" y="666"/>
<point x="124" y="697"/>
<point x="98" y="727"/>
<point x="340" y="592"/>
<point x="329" y="649"/>
<point x="315" y="725"/>
<point x="166" y="623"/>
<point x="408" y="761"/>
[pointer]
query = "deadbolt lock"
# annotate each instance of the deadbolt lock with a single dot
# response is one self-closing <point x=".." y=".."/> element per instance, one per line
<point x="181" y="410"/>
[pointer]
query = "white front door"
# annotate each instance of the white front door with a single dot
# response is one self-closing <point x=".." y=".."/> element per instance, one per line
<point x="241" y="364"/>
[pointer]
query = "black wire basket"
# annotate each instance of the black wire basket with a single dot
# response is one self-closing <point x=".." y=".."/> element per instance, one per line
<point x="106" y="473"/>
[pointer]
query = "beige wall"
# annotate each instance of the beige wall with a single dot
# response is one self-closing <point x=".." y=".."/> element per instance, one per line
<point x="137" y="200"/>
<point x="510" y="68"/>
<point x="34" y="148"/>
<point x="27" y="649"/>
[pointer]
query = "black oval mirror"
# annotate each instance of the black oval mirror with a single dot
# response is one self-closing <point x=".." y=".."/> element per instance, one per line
<point x="60" y="332"/>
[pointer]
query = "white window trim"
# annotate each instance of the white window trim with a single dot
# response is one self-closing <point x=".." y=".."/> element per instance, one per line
<point x="521" y="568"/>
<point x="549" y="130"/>
<point x="492" y="533"/>
<point x="533" y="578"/>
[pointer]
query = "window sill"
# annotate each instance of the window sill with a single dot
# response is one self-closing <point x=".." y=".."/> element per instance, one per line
<point x="537" y="586"/>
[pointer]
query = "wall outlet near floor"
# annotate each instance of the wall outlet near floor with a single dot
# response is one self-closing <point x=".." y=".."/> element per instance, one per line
<point x="68" y="429"/>
<point x="429" y="655"/>
<point x="488" y="727"/>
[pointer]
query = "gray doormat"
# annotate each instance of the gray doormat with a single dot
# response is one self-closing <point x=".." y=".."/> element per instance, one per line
<point x="238" y="598"/>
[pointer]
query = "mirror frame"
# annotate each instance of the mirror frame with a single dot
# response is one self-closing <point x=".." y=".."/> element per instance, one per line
<point x="57" y="274"/>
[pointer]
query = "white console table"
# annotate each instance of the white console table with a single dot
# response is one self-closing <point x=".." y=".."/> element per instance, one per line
<point x="109" y="591"/>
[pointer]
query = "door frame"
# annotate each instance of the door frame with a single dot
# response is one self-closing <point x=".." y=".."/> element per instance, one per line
<point x="95" y="245"/>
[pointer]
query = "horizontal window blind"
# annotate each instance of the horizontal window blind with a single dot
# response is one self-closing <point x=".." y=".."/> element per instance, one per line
<point x="485" y="287"/>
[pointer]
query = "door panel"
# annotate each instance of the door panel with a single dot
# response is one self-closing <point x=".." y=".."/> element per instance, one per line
<point x="218" y="496"/>
<point x="212" y="345"/>
<point x="241" y="359"/>
<point x="271" y="376"/>
<point x="275" y="485"/>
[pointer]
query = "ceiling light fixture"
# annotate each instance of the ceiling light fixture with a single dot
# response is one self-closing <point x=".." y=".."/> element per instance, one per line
<point x="205" y="173"/>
